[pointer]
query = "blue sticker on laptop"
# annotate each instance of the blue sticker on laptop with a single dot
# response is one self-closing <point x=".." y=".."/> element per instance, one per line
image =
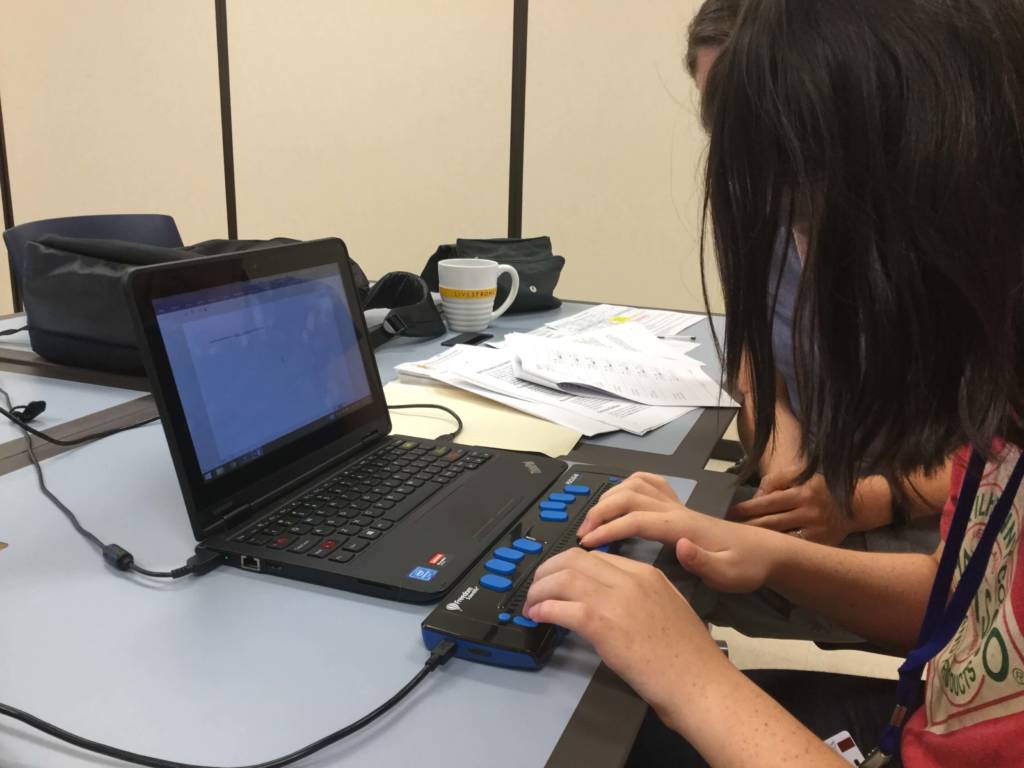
<point x="422" y="574"/>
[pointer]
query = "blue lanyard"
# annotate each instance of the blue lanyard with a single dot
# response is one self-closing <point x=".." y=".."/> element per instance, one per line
<point x="942" y="619"/>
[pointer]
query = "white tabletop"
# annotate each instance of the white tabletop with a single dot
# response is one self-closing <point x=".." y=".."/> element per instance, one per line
<point x="232" y="667"/>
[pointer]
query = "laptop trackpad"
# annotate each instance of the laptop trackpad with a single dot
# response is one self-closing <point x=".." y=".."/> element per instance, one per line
<point x="467" y="513"/>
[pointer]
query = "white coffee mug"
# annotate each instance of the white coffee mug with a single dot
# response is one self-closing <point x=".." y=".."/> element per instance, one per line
<point x="468" y="289"/>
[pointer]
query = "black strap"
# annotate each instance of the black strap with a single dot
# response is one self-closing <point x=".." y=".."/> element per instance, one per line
<point x="413" y="312"/>
<point x="946" y="613"/>
<point x="378" y="337"/>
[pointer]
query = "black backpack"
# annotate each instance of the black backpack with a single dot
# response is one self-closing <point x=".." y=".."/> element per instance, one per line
<point x="75" y="301"/>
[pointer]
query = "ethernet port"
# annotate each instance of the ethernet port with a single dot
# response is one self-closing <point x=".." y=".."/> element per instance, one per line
<point x="250" y="563"/>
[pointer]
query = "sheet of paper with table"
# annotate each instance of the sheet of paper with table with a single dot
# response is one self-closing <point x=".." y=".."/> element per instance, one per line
<point x="489" y="373"/>
<point x="626" y="362"/>
<point x="660" y="322"/>
<point x="623" y="338"/>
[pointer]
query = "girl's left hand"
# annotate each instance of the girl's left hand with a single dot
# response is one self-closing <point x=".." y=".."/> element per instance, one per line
<point x="809" y="509"/>
<point x="636" y="620"/>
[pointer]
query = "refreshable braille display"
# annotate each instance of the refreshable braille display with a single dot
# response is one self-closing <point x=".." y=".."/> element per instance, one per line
<point x="483" y="612"/>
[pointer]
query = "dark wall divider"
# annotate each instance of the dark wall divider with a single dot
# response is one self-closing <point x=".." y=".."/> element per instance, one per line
<point x="5" y="191"/>
<point x="221" y="13"/>
<point x="520" y="16"/>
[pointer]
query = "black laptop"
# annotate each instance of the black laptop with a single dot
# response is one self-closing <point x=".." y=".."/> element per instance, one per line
<point x="272" y="405"/>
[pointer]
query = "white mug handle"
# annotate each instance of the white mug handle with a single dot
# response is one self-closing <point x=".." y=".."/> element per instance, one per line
<point x="511" y="294"/>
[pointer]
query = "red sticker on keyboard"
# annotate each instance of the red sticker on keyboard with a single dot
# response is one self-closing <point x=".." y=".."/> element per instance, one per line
<point x="438" y="560"/>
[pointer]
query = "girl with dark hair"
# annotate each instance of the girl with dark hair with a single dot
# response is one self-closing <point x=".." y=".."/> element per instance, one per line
<point x="807" y="509"/>
<point x="903" y="518"/>
<point x="888" y="137"/>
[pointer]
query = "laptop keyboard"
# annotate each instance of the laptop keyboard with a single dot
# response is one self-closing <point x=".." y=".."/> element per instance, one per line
<point x="346" y="513"/>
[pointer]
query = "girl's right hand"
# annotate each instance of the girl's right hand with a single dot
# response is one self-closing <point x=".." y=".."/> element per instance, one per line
<point x="728" y="557"/>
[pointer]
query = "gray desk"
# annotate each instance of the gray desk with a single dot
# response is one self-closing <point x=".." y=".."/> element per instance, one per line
<point x="235" y="667"/>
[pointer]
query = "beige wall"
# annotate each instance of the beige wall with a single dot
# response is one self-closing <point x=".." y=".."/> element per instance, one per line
<point x="613" y="149"/>
<point x="385" y="123"/>
<point x="111" y="106"/>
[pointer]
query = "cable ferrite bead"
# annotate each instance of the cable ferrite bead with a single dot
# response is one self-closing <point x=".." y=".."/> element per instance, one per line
<point x="119" y="557"/>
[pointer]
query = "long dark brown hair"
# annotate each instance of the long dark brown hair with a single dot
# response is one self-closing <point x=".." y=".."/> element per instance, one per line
<point x="893" y="128"/>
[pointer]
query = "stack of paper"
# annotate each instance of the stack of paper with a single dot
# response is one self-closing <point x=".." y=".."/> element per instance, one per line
<point x="627" y="362"/>
<point x="488" y="372"/>
<point x="603" y="370"/>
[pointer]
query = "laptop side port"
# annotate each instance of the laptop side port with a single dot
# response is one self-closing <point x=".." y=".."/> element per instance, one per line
<point x="251" y="563"/>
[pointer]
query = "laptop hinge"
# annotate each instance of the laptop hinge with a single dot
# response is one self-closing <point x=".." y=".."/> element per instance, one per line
<point x="240" y="512"/>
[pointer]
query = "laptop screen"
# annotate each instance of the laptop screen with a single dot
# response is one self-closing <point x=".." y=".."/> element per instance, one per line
<point x="259" y="364"/>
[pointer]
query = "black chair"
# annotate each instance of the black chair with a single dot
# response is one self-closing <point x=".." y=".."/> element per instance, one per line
<point x="146" y="228"/>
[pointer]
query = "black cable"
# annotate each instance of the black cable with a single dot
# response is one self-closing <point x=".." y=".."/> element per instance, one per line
<point x="12" y="331"/>
<point x="439" y="656"/>
<point x="11" y="413"/>
<point x="451" y="435"/>
<point x="115" y="555"/>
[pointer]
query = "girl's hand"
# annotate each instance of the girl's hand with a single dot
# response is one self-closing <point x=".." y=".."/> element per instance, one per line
<point x="727" y="556"/>
<point x="807" y="509"/>
<point x="640" y="491"/>
<point x="636" y="620"/>
<point x="645" y="631"/>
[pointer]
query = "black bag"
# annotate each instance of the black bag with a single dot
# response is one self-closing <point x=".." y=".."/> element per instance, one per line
<point x="75" y="302"/>
<point x="533" y="259"/>
<point x="413" y="313"/>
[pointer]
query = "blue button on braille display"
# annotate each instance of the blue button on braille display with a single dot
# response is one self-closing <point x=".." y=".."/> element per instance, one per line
<point x="495" y="582"/>
<point x="554" y="516"/>
<point x="558" y="506"/>
<point x="501" y="567"/>
<point x="577" y="490"/>
<point x="565" y="498"/>
<point x="529" y="546"/>
<point x="522" y="621"/>
<point x="504" y="618"/>
<point x="507" y="553"/>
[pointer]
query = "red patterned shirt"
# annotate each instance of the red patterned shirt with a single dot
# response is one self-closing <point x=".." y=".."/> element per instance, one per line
<point x="973" y="714"/>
